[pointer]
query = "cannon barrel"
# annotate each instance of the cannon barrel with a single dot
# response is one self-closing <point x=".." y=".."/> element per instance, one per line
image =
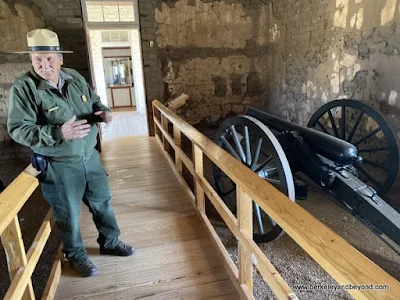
<point x="324" y="144"/>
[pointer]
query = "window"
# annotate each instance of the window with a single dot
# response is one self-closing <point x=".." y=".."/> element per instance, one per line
<point x="108" y="36"/>
<point x="110" y="11"/>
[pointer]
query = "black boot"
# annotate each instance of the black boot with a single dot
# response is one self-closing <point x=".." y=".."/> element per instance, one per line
<point x="120" y="249"/>
<point x="84" y="266"/>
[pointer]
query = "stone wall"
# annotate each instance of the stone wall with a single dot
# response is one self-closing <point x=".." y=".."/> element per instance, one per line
<point x="214" y="51"/>
<point x="150" y="55"/>
<point x="290" y="56"/>
<point x="327" y="50"/>
<point x="287" y="56"/>
<point x="17" y="18"/>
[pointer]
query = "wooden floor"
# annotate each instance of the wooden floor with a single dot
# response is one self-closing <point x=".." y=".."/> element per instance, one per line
<point x="174" y="256"/>
<point x="125" y="124"/>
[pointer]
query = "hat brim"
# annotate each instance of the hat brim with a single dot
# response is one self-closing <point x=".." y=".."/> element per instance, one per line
<point x="23" y="52"/>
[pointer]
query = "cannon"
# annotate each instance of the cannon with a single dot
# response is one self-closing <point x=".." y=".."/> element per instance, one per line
<point x="347" y="150"/>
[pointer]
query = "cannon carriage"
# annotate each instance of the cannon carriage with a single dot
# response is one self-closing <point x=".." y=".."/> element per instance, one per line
<point x="347" y="150"/>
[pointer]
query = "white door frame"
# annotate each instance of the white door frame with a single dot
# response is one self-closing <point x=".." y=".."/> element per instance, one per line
<point x="137" y="60"/>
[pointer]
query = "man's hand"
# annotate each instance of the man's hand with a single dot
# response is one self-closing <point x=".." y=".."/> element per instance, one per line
<point x="105" y="115"/>
<point x="75" y="129"/>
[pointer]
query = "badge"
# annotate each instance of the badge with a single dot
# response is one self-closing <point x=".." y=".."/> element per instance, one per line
<point x="52" y="108"/>
<point x="84" y="99"/>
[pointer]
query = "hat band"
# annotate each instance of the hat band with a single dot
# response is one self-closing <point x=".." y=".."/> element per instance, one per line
<point x="44" y="48"/>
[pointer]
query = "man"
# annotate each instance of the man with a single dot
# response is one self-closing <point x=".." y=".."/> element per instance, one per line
<point x="54" y="112"/>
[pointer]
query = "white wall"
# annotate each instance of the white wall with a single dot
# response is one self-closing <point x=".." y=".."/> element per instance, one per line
<point x="138" y="71"/>
<point x="97" y="62"/>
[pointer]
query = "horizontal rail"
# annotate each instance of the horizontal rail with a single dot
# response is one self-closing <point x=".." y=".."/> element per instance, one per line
<point x="21" y="265"/>
<point x="339" y="259"/>
<point x="23" y="275"/>
<point x="267" y="270"/>
<point x="54" y="278"/>
<point x="226" y="261"/>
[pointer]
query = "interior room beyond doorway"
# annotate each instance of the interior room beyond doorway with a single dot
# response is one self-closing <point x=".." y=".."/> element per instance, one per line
<point x="120" y="85"/>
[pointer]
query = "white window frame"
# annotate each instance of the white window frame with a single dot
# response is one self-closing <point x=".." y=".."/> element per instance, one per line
<point x="111" y="25"/>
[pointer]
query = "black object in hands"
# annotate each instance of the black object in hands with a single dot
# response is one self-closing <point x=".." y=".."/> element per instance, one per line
<point x="91" y="118"/>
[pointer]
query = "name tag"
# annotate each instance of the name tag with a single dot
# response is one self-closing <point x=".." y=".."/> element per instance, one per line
<point x="52" y="108"/>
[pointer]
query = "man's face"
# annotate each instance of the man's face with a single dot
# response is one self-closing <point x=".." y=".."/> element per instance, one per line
<point x="47" y="65"/>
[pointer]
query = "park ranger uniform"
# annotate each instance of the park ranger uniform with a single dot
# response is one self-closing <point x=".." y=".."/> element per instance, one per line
<point x="37" y="110"/>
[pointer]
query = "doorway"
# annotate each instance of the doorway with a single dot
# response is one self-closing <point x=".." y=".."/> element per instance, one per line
<point x="115" y="58"/>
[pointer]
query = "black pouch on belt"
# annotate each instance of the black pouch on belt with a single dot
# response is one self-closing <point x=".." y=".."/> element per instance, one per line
<point x="39" y="162"/>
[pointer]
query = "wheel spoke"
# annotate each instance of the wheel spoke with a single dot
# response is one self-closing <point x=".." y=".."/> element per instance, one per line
<point x="374" y="149"/>
<point x="369" y="177"/>
<point x="258" y="217"/>
<point x="372" y="163"/>
<point x="256" y="146"/>
<point x="333" y="123"/>
<point x="343" y="123"/>
<point x="238" y="145"/>
<point x="368" y="136"/>
<point x="256" y="154"/>
<point x="322" y="127"/>
<point x="229" y="147"/>
<point x="359" y="124"/>
<point x="273" y="181"/>
<point x="270" y="170"/>
<point x="220" y="182"/>
<point x="228" y="192"/>
<point x="247" y="145"/>
<point x="266" y="162"/>
<point x="355" y="127"/>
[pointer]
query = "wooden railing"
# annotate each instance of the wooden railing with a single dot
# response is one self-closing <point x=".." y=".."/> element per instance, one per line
<point x="339" y="259"/>
<point x="21" y="264"/>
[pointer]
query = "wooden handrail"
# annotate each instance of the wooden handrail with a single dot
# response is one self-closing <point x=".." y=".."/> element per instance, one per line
<point x="21" y="265"/>
<point x="23" y="275"/>
<point x="339" y="259"/>
<point x="267" y="270"/>
<point x="13" y="198"/>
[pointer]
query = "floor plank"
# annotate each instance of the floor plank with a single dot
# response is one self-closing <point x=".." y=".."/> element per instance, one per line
<point x="124" y="124"/>
<point x="174" y="257"/>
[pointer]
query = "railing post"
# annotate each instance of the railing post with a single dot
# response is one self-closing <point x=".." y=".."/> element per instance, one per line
<point x="198" y="165"/>
<point x="154" y="120"/>
<point x="14" y="248"/>
<point x="178" y="142"/>
<point x="245" y="221"/>
<point x="164" y="123"/>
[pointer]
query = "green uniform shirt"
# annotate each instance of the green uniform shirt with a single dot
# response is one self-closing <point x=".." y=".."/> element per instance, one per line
<point x="37" y="110"/>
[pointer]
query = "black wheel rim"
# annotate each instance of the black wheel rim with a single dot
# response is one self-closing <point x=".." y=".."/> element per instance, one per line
<point x="359" y="124"/>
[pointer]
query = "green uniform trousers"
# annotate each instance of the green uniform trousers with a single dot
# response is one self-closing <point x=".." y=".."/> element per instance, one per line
<point x="64" y="186"/>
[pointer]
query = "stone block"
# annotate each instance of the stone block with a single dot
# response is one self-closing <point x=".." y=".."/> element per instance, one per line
<point x="67" y="12"/>
<point x="146" y="8"/>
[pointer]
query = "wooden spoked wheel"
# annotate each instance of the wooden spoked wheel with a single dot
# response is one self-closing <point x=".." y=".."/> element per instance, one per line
<point x="359" y="124"/>
<point x="255" y="145"/>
